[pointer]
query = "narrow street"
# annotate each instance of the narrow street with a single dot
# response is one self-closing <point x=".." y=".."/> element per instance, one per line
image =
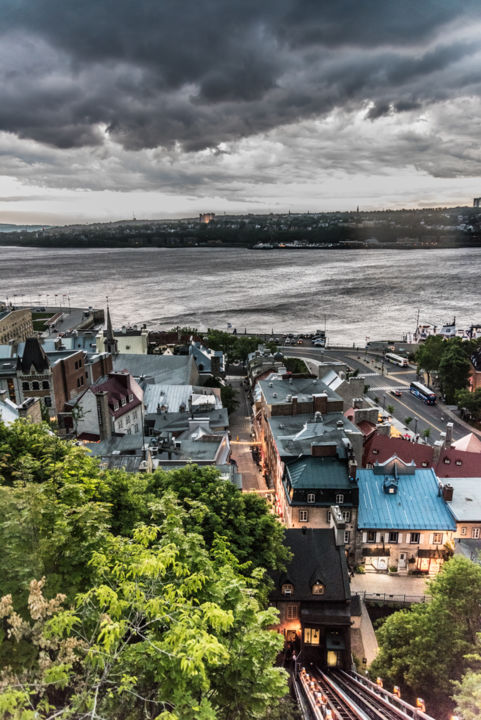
<point x="240" y="428"/>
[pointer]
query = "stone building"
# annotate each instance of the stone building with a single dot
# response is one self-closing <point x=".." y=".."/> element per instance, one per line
<point x="15" y="325"/>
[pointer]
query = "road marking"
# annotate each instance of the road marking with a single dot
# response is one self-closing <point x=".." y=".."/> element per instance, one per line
<point x="420" y="416"/>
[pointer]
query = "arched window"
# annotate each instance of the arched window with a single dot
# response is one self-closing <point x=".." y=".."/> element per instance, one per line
<point x="45" y="385"/>
<point x="25" y="386"/>
<point x="35" y="385"/>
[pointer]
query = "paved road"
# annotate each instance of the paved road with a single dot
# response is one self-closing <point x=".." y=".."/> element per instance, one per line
<point x="240" y="428"/>
<point x="382" y="380"/>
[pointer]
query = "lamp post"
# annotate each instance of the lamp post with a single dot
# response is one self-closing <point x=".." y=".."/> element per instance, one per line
<point x="367" y="340"/>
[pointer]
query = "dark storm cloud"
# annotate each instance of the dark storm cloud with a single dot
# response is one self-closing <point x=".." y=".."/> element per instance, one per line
<point x="202" y="72"/>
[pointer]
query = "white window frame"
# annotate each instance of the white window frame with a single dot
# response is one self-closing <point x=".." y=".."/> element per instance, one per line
<point x="475" y="532"/>
<point x="464" y="530"/>
<point x="393" y="534"/>
<point x="339" y="499"/>
<point x="371" y="533"/>
<point x="347" y="537"/>
<point x="292" y="612"/>
<point x="303" y="515"/>
<point x="416" y="540"/>
<point x="437" y="541"/>
<point x="346" y="515"/>
<point x="311" y="497"/>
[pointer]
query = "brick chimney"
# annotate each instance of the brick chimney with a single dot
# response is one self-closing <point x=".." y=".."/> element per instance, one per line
<point x="105" y="424"/>
<point x="320" y="402"/>
<point x="448" y="491"/>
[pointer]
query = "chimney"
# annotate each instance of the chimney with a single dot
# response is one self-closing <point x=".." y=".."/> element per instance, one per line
<point x="105" y="424"/>
<point x="437" y="447"/>
<point x="448" y="491"/>
<point x="449" y="434"/>
<point x="320" y="402"/>
<point x="352" y="468"/>
<point x="294" y="404"/>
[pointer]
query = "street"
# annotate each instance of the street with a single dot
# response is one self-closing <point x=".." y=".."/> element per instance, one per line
<point x="382" y="379"/>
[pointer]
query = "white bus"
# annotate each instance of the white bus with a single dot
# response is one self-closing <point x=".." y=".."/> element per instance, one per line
<point x="396" y="359"/>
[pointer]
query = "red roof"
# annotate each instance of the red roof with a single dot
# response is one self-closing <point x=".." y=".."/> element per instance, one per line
<point x="380" y="448"/>
<point x="461" y="464"/>
<point x="367" y="428"/>
<point x="119" y="386"/>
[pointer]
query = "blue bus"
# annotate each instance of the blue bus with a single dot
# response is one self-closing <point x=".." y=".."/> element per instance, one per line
<point x="423" y="393"/>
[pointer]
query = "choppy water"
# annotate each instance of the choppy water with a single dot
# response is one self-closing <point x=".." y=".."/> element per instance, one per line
<point x="373" y="293"/>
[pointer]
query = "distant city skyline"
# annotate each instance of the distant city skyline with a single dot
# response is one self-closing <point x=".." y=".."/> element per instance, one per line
<point x="159" y="110"/>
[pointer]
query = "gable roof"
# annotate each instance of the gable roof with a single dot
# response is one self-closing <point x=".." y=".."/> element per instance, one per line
<point x="314" y="552"/>
<point x="468" y="442"/>
<point x="380" y="448"/>
<point x="33" y="355"/>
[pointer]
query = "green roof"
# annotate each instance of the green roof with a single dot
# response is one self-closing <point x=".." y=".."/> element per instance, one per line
<point x="318" y="472"/>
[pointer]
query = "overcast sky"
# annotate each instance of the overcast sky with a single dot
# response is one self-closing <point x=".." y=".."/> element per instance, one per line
<point x="163" y="108"/>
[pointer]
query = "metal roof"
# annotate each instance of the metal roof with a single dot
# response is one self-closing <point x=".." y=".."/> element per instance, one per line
<point x="165" y="369"/>
<point x="466" y="502"/>
<point x="318" y="472"/>
<point x="417" y="504"/>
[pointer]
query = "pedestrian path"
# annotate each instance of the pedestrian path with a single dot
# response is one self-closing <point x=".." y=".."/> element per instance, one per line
<point x="241" y="440"/>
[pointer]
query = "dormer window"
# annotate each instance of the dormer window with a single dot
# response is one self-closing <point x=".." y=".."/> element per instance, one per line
<point x="424" y="463"/>
<point x="446" y="461"/>
<point x="375" y="451"/>
<point x="318" y="588"/>
<point x="287" y="589"/>
<point x="459" y="462"/>
<point x="123" y="401"/>
<point x="131" y="397"/>
<point x="311" y="497"/>
<point x="116" y="406"/>
<point x="339" y="499"/>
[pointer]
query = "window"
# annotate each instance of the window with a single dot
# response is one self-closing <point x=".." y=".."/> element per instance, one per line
<point x="121" y="423"/>
<point x="458" y="462"/>
<point x="318" y="588"/>
<point x="446" y="461"/>
<point x="424" y="463"/>
<point x="291" y="612"/>
<point x="47" y="401"/>
<point x="371" y="536"/>
<point x="437" y="538"/>
<point x="311" y="497"/>
<point x="475" y="532"/>
<point x="311" y="636"/>
<point x="346" y="516"/>
<point x="35" y="385"/>
<point x="287" y="589"/>
<point x="123" y="401"/>
<point x="339" y="499"/>
<point x="303" y="515"/>
<point x="347" y="537"/>
<point x="131" y="397"/>
<point x="464" y="530"/>
<point x="45" y="385"/>
<point x="25" y="386"/>
<point x="415" y="538"/>
<point x="328" y="516"/>
<point x="393" y="537"/>
<point x="136" y="429"/>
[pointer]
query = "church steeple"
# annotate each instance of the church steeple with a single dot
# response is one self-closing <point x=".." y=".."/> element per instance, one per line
<point x="110" y="343"/>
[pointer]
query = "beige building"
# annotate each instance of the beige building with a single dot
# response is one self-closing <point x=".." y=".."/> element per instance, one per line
<point x="15" y="325"/>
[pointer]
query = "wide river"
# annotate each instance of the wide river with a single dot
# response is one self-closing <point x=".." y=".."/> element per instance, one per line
<point x="358" y="294"/>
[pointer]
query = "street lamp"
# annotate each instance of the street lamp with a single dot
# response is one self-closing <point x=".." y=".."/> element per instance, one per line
<point x="367" y="340"/>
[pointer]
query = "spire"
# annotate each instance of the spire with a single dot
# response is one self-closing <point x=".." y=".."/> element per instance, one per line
<point x="110" y="341"/>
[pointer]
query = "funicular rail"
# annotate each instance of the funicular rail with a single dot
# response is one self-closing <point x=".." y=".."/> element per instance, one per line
<point x="360" y="689"/>
<point x="325" y="701"/>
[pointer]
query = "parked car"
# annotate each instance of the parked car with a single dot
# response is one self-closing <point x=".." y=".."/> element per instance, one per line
<point x="397" y="393"/>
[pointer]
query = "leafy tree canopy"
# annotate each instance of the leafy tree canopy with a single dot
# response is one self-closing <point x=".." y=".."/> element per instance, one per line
<point x="423" y="648"/>
<point x="168" y="629"/>
<point x="454" y="369"/>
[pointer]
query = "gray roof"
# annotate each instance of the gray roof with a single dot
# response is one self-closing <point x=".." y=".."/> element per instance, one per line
<point x="466" y="503"/>
<point x="319" y="472"/>
<point x="276" y="389"/>
<point x="295" y="434"/>
<point x="172" y="397"/>
<point x="119" y="443"/>
<point x="163" y="369"/>
<point x="178" y="422"/>
<point x="130" y="463"/>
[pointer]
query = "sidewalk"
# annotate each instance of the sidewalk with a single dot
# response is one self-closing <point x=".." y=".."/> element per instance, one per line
<point x="382" y="583"/>
<point x="240" y="429"/>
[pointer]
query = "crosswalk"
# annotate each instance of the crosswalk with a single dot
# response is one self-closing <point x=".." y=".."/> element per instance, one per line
<point x="386" y="388"/>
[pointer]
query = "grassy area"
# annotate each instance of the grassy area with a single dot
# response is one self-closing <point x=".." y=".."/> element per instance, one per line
<point x="39" y="319"/>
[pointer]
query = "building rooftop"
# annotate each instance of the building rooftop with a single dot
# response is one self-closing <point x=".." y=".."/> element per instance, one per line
<point x="316" y="558"/>
<point x="466" y="503"/>
<point x="295" y="434"/>
<point x="319" y="472"/>
<point x="414" y="504"/>
<point x="178" y="422"/>
<point x="276" y="389"/>
<point x="163" y="369"/>
<point x="178" y="398"/>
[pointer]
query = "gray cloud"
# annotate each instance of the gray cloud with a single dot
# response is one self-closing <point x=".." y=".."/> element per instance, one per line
<point x="201" y="73"/>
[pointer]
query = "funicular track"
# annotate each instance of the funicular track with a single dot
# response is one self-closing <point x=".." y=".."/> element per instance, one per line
<point x="343" y="696"/>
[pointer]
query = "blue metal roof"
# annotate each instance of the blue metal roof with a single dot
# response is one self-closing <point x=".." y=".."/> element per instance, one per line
<point x="415" y="506"/>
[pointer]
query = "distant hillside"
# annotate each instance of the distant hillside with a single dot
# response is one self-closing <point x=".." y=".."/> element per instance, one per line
<point x="4" y="227"/>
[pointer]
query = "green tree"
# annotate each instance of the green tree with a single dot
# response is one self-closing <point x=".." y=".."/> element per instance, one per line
<point x="467" y="695"/>
<point x="426" y="433"/>
<point x="424" y="648"/>
<point x="390" y="409"/>
<point x="169" y="630"/>
<point x="229" y="398"/>
<point x="429" y="354"/>
<point x="470" y="401"/>
<point x="454" y="369"/>
<point x="408" y="420"/>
